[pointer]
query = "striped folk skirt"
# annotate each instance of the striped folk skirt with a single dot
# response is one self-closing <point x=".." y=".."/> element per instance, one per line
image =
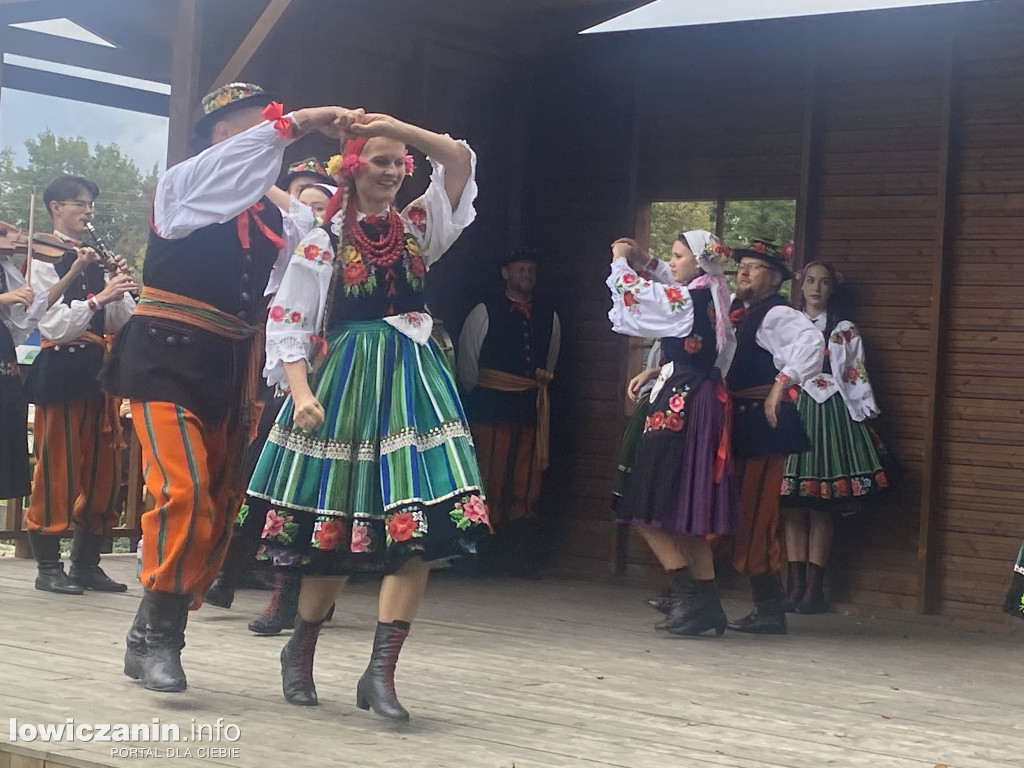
<point x="390" y="474"/>
<point x="844" y="461"/>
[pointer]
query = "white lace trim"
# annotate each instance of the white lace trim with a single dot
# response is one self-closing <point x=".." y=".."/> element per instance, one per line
<point x="424" y="441"/>
<point x="320" y="448"/>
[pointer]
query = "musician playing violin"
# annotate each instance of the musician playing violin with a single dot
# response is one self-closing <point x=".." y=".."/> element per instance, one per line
<point x="78" y="475"/>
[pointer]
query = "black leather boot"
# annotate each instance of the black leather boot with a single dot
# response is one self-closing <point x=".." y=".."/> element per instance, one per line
<point x="135" y="643"/>
<point x="796" y="585"/>
<point x="662" y="603"/>
<point x="157" y="659"/>
<point x="704" y="612"/>
<point x="50" y="576"/>
<point x="297" y="664"/>
<point x="376" y="688"/>
<point x="767" y="618"/>
<point x="85" y="564"/>
<point x="682" y="595"/>
<point x="814" y="597"/>
<point x="283" y="605"/>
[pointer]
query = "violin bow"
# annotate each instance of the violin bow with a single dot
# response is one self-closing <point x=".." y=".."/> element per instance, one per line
<point x="31" y="234"/>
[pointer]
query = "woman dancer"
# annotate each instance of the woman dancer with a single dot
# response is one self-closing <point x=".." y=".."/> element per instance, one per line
<point x="843" y="463"/>
<point x="370" y="464"/>
<point x="680" y="488"/>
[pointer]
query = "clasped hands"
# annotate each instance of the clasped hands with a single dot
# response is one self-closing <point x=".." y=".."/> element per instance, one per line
<point x="630" y="250"/>
<point x="341" y="123"/>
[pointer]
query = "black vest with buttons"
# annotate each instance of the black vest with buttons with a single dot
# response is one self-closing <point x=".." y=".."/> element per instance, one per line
<point x="68" y="371"/>
<point x="516" y="344"/>
<point x="166" y="361"/>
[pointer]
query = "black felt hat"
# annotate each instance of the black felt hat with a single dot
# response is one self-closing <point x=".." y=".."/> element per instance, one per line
<point x="222" y="101"/>
<point x="524" y="253"/>
<point x="766" y="250"/>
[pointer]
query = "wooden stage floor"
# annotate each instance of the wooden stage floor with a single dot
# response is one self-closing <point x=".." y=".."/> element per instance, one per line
<point x="526" y="674"/>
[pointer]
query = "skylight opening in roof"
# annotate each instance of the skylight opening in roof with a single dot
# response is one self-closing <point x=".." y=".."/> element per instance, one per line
<point x="685" y="13"/>
<point x="63" y="28"/>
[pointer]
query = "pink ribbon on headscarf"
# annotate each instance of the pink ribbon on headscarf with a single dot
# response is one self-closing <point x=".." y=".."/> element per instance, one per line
<point x="719" y="285"/>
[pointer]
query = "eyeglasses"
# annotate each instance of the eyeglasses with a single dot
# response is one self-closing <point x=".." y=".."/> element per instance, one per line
<point x="750" y="267"/>
<point x="85" y="205"/>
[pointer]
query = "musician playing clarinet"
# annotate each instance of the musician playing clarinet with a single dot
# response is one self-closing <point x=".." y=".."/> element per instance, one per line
<point x="77" y="430"/>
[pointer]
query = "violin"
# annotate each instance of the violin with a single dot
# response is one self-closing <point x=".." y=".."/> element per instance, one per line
<point x="45" y="247"/>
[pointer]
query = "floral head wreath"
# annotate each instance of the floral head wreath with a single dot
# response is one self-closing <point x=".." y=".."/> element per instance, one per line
<point x="766" y="250"/>
<point x="837" y="276"/>
<point x="350" y="164"/>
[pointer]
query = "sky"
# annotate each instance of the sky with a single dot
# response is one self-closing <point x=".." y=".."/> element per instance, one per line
<point x="676" y="13"/>
<point x="24" y="115"/>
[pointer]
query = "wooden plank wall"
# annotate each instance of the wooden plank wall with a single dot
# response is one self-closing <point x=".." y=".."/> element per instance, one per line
<point x="711" y="125"/>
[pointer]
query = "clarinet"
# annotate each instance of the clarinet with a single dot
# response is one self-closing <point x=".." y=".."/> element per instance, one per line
<point x="106" y="255"/>
<point x="108" y="258"/>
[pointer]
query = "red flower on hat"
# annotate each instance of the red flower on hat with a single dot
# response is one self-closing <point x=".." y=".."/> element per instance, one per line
<point x="759" y="247"/>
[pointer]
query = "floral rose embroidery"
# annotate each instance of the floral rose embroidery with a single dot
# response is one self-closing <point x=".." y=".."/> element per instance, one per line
<point x="628" y="299"/>
<point x="858" y="489"/>
<point x="311" y="252"/>
<point x="676" y="403"/>
<point x="826" y="491"/>
<point x="296" y="317"/>
<point x="674" y="422"/>
<point x="848" y="334"/>
<point x="418" y="216"/>
<point x="475" y="509"/>
<point x="851" y="374"/>
<point x="274" y="524"/>
<point x="657" y="420"/>
<point x="820" y="383"/>
<point x="417" y="267"/>
<point x="276" y="313"/>
<point x="843" y="486"/>
<point x="882" y="480"/>
<point x="360" y="539"/>
<point x="354" y="273"/>
<point x="628" y="278"/>
<point x="402" y="526"/>
<point x="693" y="344"/>
<point x="673" y="293"/>
<point x="329" y="533"/>
<point x="785" y="487"/>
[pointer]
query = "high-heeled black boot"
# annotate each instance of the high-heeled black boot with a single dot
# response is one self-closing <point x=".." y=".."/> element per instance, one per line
<point x="767" y="618"/>
<point x="704" y="612"/>
<point x="85" y="568"/>
<point x="155" y="640"/>
<point x="814" y="597"/>
<point x="682" y="592"/>
<point x="283" y="606"/>
<point x="796" y="585"/>
<point x="376" y="687"/>
<point x="297" y="664"/>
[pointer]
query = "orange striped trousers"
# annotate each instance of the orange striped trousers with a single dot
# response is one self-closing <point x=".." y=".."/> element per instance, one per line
<point x="190" y="476"/>
<point x="758" y="548"/>
<point x="504" y="451"/>
<point x="78" y="473"/>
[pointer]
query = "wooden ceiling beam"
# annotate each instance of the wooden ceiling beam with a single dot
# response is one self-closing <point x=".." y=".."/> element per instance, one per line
<point x="80" y="89"/>
<point x="74" y="53"/>
<point x="253" y="40"/>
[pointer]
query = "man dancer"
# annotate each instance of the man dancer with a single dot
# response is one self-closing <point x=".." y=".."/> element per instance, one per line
<point x="78" y="475"/>
<point x="189" y="359"/>
<point x="507" y="354"/>
<point x="778" y="348"/>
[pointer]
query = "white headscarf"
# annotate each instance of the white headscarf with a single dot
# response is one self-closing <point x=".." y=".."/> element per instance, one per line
<point x="714" y="278"/>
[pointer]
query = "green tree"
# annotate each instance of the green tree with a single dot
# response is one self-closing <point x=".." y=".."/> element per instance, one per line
<point x="669" y="218"/>
<point x="747" y="219"/>
<point x="122" y="208"/>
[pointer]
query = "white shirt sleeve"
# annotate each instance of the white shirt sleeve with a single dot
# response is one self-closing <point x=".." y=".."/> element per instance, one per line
<point x="219" y="183"/>
<point x="61" y="322"/>
<point x="298" y="220"/>
<point x="431" y="218"/>
<point x="796" y="346"/>
<point x="641" y="307"/>
<point x="474" y="331"/>
<point x="20" y="321"/>
<point x="297" y="311"/>
<point x="556" y="344"/>
<point x="659" y="271"/>
<point x="846" y="354"/>
<point x="117" y="313"/>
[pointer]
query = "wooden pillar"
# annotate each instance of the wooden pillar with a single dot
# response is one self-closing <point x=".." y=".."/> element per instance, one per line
<point x="255" y="38"/>
<point x="184" y="81"/>
<point x="807" y="197"/>
<point x="931" y="473"/>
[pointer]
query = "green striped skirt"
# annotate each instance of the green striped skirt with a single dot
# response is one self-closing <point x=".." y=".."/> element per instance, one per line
<point x="844" y="461"/>
<point x="390" y="474"/>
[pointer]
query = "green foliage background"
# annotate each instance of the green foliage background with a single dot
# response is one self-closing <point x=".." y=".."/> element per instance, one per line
<point x="126" y="193"/>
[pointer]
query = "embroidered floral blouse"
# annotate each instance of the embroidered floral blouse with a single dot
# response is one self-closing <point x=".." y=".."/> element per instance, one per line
<point x="849" y="376"/>
<point x="296" y="314"/>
